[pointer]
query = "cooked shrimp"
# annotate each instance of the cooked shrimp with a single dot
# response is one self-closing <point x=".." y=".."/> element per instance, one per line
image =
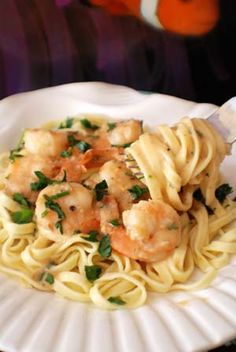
<point x="120" y="181"/>
<point x="21" y="173"/>
<point x="125" y="132"/>
<point x="72" y="166"/>
<point x="63" y="209"/>
<point x="45" y="142"/>
<point x="98" y="157"/>
<point x="150" y="231"/>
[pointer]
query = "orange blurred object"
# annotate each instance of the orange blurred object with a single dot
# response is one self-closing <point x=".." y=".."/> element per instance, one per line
<point x="186" y="17"/>
<point x="191" y="17"/>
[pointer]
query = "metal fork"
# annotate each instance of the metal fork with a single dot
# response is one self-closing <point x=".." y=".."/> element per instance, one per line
<point x="224" y="120"/>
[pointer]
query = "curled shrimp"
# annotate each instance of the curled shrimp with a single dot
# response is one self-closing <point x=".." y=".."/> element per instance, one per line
<point x="43" y="142"/>
<point x="150" y="231"/>
<point x="21" y="173"/>
<point x="125" y="132"/>
<point x="65" y="209"/>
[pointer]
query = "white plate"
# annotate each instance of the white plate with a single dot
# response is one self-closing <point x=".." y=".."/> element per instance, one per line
<point x="33" y="321"/>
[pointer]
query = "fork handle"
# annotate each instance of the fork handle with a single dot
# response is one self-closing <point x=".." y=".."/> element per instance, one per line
<point x="224" y="120"/>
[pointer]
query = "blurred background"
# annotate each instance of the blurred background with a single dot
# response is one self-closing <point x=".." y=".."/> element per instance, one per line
<point x="50" y="42"/>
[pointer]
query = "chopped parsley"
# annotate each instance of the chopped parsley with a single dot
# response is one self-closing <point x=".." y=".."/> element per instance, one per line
<point x="44" y="181"/>
<point x="115" y="222"/>
<point x="137" y="192"/>
<point x="199" y="197"/>
<point x="126" y="145"/>
<point x="111" y="126"/>
<point x="63" y="179"/>
<point x="101" y="190"/>
<point x="19" y="198"/>
<point x="116" y="300"/>
<point x="49" y="278"/>
<point x="50" y="204"/>
<point x="59" y="195"/>
<point x="44" y="213"/>
<point x="66" y="153"/>
<point x="68" y="123"/>
<point x="72" y="140"/>
<point x="172" y="226"/>
<point x="223" y="191"/>
<point x="87" y="124"/>
<point x="92" y="272"/>
<point x="14" y="153"/>
<point x="58" y="226"/>
<point x="81" y="145"/>
<point x="104" y="248"/>
<point x="54" y="207"/>
<point x="23" y="216"/>
<point x="92" y="236"/>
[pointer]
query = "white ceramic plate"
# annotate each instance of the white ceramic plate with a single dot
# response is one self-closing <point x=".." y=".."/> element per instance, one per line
<point x="32" y="321"/>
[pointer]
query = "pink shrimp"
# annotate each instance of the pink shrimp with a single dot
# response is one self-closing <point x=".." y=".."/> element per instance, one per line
<point x="150" y="231"/>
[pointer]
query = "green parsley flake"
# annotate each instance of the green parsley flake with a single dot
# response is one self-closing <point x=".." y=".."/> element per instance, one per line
<point x="92" y="272"/>
<point x="199" y="197"/>
<point x="19" y="198"/>
<point x="14" y="154"/>
<point x="137" y="191"/>
<point x="104" y="248"/>
<point x="44" y="181"/>
<point x="111" y="126"/>
<point x="54" y="207"/>
<point x="59" y="195"/>
<point x="172" y="226"/>
<point x="115" y="222"/>
<point x="68" y="123"/>
<point x="49" y="278"/>
<point x="49" y="203"/>
<point x="87" y="124"/>
<point x="92" y="236"/>
<point x="23" y="216"/>
<point x="58" y="226"/>
<point x="44" y="213"/>
<point x="126" y="145"/>
<point x="101" y="190"/>
<point x="72" y="140"/>
<point x="223" y="191"/>
<point x="66" y="153"/>
<point x="116" y="300"/>
<point x="83" y="146"/>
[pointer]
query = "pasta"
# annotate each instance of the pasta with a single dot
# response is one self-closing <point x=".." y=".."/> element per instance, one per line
<point x="83" y="203"/>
